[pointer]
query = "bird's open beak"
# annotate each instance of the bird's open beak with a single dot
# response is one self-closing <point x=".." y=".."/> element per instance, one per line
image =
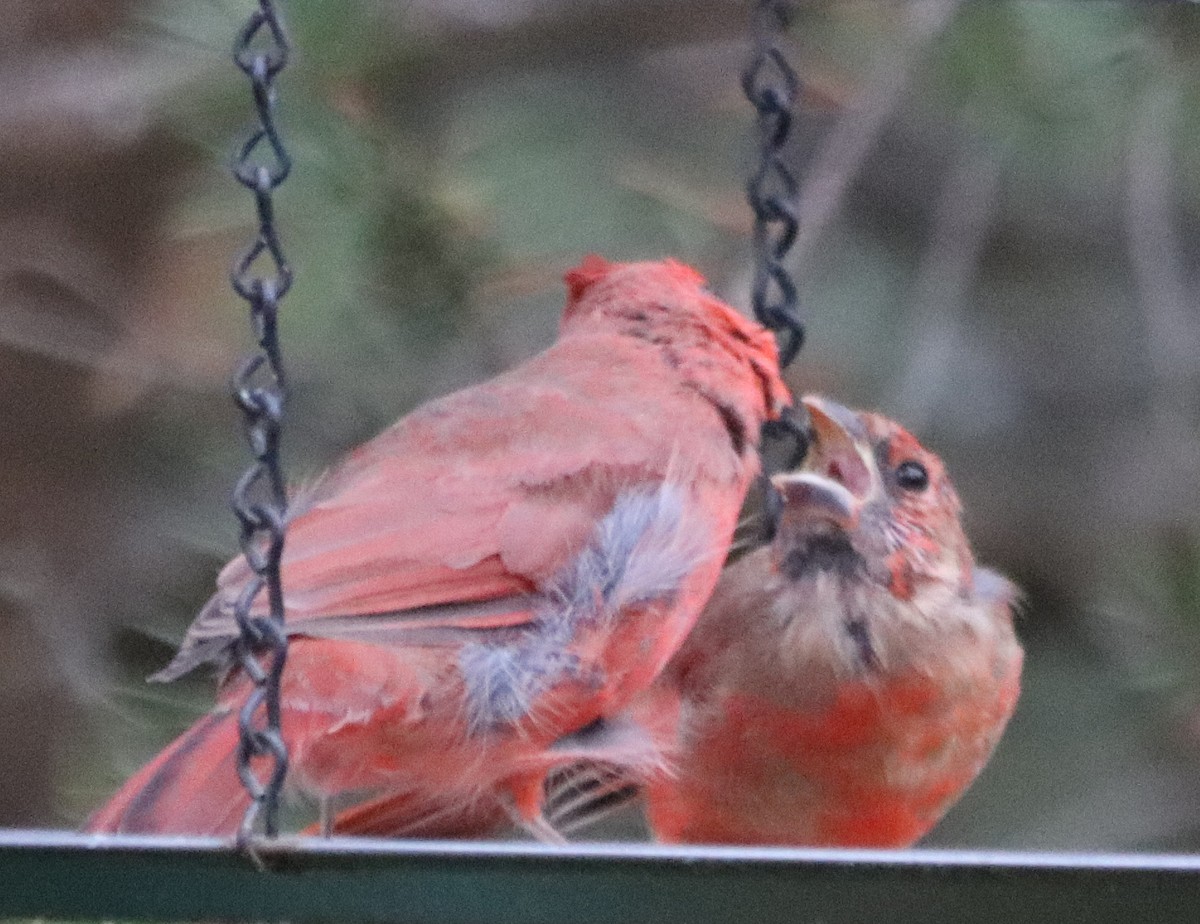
<point x="834" y="481"/>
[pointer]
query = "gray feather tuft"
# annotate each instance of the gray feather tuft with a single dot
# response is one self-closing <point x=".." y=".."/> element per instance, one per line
<point x="640" y="552"/>
<point x="992" y="587"/>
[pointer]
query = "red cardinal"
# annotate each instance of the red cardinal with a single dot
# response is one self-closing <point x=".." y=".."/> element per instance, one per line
<point x="845" y="683"/>
<point x="472" y="592"/>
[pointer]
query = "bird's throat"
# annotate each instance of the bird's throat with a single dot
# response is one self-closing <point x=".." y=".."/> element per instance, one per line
<point x="822" y="553"/>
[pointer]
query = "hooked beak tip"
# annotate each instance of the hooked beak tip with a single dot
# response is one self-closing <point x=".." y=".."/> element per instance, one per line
<point x="830" y="418"/>
<point x="838" y="446"/>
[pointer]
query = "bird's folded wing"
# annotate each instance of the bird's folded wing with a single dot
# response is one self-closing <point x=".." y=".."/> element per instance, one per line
<point x="445" y="522"/>
<point x="441" y="624"/>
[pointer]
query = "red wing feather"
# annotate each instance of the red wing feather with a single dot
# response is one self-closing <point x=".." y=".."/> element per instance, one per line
<point x="415" y="815"/>
<point x="479" y="496"/>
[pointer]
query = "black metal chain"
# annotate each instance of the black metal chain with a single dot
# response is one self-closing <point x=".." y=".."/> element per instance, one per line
<point x="771" y="85"/>
<point x="260" y="498"/>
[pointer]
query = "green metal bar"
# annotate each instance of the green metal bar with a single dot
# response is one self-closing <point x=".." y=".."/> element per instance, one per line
<point x="50" y="874"/>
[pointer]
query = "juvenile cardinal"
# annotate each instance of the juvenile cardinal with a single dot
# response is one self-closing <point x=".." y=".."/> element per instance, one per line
<point x="470" y="595"/>
<point x="846" y="682"/>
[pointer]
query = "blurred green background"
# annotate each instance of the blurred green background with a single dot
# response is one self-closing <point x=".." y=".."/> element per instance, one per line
<point x="1000" y="206"/>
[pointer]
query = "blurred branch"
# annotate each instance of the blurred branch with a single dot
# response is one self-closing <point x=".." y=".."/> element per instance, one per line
<point x="948" y="269"/>
<point x="30" y="580"/>
<point x="1159" y="276"/>
<point x="846" y="146"/>
<point x="41" y="334"/>
<point x="574" y="33"/>
<point x="722" y="208"/>
<point x="107" y="96"/>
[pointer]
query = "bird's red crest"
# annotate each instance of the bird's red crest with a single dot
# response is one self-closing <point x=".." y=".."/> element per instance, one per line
<point x="585" y="275"/>
<point x="594" y="268"/>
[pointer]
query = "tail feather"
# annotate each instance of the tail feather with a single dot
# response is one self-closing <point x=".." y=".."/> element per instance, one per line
<point x="575" y="797"/>
<point x="192" y="787"/>
<point x="582" y="794"/>
<point x="413" y="815"/>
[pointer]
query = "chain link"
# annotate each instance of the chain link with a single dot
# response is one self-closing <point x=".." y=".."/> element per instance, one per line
<point x="771" y="85"/>
<point x="259" y="498"/>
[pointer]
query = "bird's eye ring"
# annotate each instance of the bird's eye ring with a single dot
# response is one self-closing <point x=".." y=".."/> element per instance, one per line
<point x="912" y="476"/>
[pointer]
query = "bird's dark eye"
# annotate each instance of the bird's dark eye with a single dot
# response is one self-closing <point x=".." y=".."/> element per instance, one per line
<point x="912" y="476"/>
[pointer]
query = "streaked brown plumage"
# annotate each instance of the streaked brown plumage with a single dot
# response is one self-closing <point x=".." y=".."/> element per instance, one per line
<point x="847" y="682"/>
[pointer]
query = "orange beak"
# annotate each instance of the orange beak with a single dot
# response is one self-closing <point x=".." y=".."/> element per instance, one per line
<point x="835" y="479"/>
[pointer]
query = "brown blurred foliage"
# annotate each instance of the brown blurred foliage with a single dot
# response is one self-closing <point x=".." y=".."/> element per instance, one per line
<point x="998" y="246"/>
